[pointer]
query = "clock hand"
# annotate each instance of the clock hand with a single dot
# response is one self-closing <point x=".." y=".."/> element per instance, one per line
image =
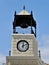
<point x="23" y="44"/>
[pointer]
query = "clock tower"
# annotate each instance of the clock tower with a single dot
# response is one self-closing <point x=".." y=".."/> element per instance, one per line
<point x="24" y="47"/>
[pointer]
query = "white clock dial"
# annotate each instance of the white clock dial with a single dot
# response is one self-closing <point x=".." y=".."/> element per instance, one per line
<point x="22" y="45"/>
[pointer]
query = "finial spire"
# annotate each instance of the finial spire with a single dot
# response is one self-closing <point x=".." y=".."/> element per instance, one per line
<point x="24" y="7"/>
<point x="15" y="13"/>
<point x="31" y="13"/>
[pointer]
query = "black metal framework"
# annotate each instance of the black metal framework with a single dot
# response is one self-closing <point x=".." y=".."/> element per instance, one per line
<point x="24" y="21"/>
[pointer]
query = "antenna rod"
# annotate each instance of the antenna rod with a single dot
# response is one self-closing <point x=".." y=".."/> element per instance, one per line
<point x="23" y="7"/>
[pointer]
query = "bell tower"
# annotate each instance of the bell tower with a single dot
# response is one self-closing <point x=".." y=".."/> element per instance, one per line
<point x="24" y="20"/>
<point x="24" y="47"/>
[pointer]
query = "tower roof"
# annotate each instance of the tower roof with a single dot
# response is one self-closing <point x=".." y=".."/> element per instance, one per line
<point x="23" y="12"/>
<point x="24" y="19"/>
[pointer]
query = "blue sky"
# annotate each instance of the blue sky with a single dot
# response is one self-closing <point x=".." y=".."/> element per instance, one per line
<point x="40" y="10"/>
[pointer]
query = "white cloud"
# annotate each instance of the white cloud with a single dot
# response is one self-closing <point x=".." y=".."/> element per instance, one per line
<point x="45" y="54"/>
<point x="45" y="48"/>
<point x="2" y="59"/>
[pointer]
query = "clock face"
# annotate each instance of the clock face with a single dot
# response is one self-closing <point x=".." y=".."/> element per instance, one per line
<point x="22" y="45"/>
